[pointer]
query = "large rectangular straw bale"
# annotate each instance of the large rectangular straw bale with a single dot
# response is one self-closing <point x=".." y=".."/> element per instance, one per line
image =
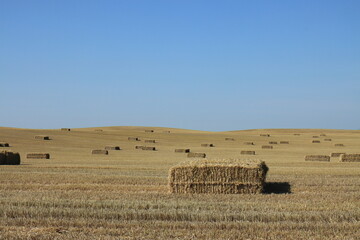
<point x="182" y="150"/>
<point x="249" y="143"/>
<point x="166" y="131"/>
<point x="139" y="147"/>
<point x="133" y="139"/>
<point x="98" y="130"/>
<point x="327" y="139"/>
<point x="247" y="152"/>
<point x="272" y="142"/>
<point x="4" y="144"/>
<point x="315" y="141"/>
<point x="112" y="148"/>
<point x="350" y="157"/>
<point x="337" y="154"/>
<point x="207" y="145"/>
<point x="65" y="129"/>
<point x="315" y="136"/>
<point x="266" y="147"/>
<point x="41" y="137"/>
<point x="149" y="131"/>
<point x="196" y="155"/>
<point x="231" y="176"/>
<point x="264" y="135"/>
<point x="229" y="139"/>
<point x="100" y="151"/>
<point x="323" y="135"/>
<point x="324" y="158"/>
<point x="339" y="145"/>
<point x="284" y="142"/>
<point x="150" y="141"/>
<point x="9" y="158"/>
<point x="296" y="134"/>
<point x="38" y="155"/>
<point x="149" y="148"/>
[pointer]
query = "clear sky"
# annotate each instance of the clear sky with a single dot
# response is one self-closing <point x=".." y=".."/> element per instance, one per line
<point x="205" y="65"/>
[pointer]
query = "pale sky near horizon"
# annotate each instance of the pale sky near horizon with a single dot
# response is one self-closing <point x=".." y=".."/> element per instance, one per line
<point x="205" y="65"/>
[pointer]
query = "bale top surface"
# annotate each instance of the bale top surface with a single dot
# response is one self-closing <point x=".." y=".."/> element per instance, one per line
<point x="245" y="163"/>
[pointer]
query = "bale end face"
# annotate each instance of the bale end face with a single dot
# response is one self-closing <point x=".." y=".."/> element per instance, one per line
<point x="9" y="158"/>
<point x="4" y="144"/>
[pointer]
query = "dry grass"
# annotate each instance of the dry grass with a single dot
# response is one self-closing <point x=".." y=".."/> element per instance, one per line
<point x="124" y="195"/>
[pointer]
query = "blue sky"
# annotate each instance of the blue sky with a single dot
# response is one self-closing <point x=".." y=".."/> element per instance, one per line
<point x="206" y="65"/>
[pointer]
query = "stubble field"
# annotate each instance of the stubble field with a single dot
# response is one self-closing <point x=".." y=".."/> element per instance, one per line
<point x="124" y="195"/>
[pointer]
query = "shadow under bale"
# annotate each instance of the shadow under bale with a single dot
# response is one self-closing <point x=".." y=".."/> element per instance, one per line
<point x="277" y="188"/>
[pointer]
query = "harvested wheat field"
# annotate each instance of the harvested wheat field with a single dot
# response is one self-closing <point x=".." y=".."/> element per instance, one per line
<point x="125" y="194"/>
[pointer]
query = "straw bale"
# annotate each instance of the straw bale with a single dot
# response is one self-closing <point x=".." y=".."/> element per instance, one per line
<point x="337" y="154"/>
<point x="229" y="139"/>
<point x="249" y="143"/>
<point x="324" y="158"/>
<point x="315" y="136"/>
<point x="284" y="142"/>
<point x="322" y="135"/>
<point x="296" y="134"/>
<point x="207" y="145"/>
<point x="196" y="155"/>
<point x="264" y="135"/>
<point x="139" y="147"/>
<point x="9" y="158"/>
<point x="112" y="148"/>
<point x="272" y="142"/>
<point x="38" y="155"/>
<point x="98" y="130"/>
<point x="41" y="137"/>
<point x="149" y="131"/>
<point x="166" y="131"/>
<point x="315" y="141"/>
<point x="350" y="157"/>
<point x="149" y="148"/>
<point x="4" y="144"/>
<point x="327" y="139"/>
<point x="150" y="141"/>
<point x="266" y="147"/>
<point x="339" y="145"/>
<point x="100" y="151"/>
<point x="247" y="152"/>
<point x="231" y="176"/>
<point x="65" y="129"/>
<point x="182" y="150"/>
<point x="133" y="139"/>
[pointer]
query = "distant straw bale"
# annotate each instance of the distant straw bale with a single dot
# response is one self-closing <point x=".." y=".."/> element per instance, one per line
<point x="230" y="176"/>
<point x="264" y="135"/>
<point x="98" y="130"/>
<point x="284" y="142"/>
<point x="133" y="139"/>
<point x="339" y="145"/>
<point x="38" y="155"/>
<point x="100" y="151"/>
<point x="42" y="137"/>
<point x="315" y="136"/>
<point x="150" y="141"/>
<point x="196" y="155"/>
<point x="229" y="139"/>
<point x="9" y="158"/>
<point x="327" y="139"/>
<point x="350" y="157"/>
<point x="149" y="148"/>
<point x="66" y="129"/>
<point x="337" y="154"/>
<point x="315" y="141"/>
<point x="324" y="158"/>
<point x="249" y="143"/>
<point x="272" y="142"/>
<point x="322" y="135"/>
<point x="266" y="147"/>
<point x="139" y="147"/>
<point x="166" y="131"/>
<point x="4" y="144"/>
<point x="296" y="134"/>
<point x="149" y="131"/>
<point x="207" y="145"/>
<point x="182" y="150"/>
<point x="247" y="152"/>
<point x="112" y="148"/>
